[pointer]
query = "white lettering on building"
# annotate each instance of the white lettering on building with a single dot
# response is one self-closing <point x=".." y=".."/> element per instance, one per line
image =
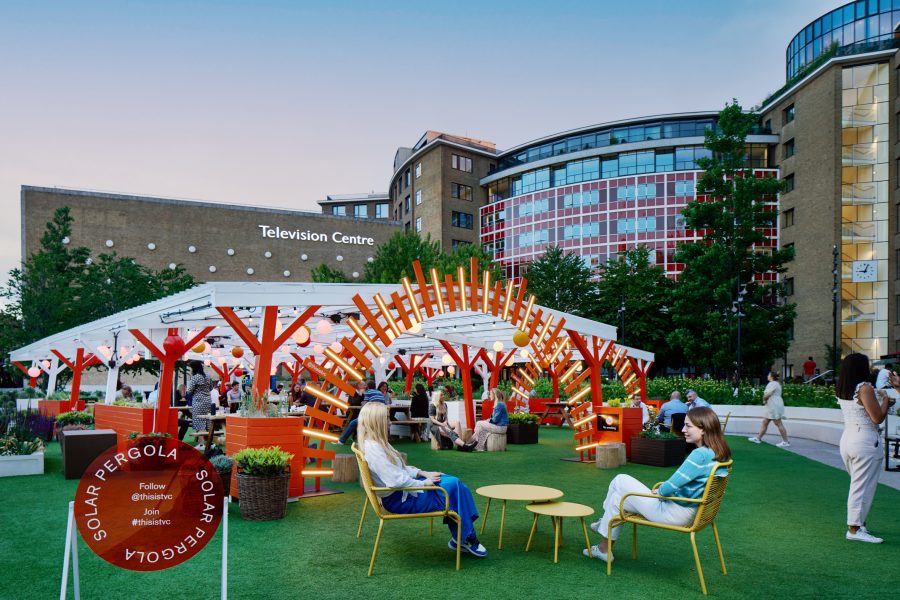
<point x="337" y="237"/>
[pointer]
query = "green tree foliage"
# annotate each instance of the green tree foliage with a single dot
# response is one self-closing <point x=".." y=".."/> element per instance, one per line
<point x="733" y="214"/>
<point x="325" y="274"/>
<point x="562" y="281"/>
<point x="449" y="263"/>
<point x="393" y="259"/>
<point x="60" y="287"/>
<point x="647" y="296"/>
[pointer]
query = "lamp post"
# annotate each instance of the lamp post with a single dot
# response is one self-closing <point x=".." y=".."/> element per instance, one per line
<point x="737" y="308"/>
<point x="622" y="317"/>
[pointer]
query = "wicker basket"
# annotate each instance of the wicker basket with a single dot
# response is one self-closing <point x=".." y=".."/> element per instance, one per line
<point x="263" y="498"/>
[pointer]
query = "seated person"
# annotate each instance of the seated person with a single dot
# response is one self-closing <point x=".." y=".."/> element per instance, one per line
<point x="371" y="395"/>
<point x="673" y="406"/>
<point x="442" y="428"/>
<point x="636" y="402"/>
<point x="359" y="398"/>
<point x="701" y="427"/>
<point x="694" y="400"/>
<point x="418" y="403"/>
<point x="385" y="390"/>
<point x="233" y="396"/>
<point x="496" y="424"/>
<point x="125" y="393"/>
<point x="388" y="470"/>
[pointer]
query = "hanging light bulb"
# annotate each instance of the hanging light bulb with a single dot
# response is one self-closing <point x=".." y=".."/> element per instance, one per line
<point x="447" y="359"/>
<point x="34" y="371"/>
<point x="523" y="352"/>
<point x="336" y="347"/>
<point x="451" y="369"/>
<point x="301" y="336"/>
<point x="318" y="349"/>
<point x="323" y="327"/>
<point x="498" y="346"/>
<point x="45" y="363"/>
<point x="105" y="351"/>
<point x="135" y="357"/>
<point x="416" y="328"/>
<point x="511" y="361"/>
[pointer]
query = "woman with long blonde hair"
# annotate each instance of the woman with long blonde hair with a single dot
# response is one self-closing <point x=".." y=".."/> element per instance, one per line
<point x="389" y="470"/>
<point x="701" y="427"/>
<point x="496" y="424"/>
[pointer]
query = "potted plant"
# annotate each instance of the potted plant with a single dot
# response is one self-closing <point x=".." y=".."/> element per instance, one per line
<point x="657" y="448"/>
<point x="263" y="475"/>
<point x="21" y="452"/>
<point x="71" y="421"/>
<point x="522" y="429"/>
<point x="223" y="465"/>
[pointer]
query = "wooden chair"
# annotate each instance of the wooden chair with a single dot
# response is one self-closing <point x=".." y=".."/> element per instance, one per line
<point x="365" y="477"/>
<point x="707" y="510"/>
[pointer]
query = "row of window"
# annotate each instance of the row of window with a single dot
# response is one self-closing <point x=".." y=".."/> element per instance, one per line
<point x="461" y="163"/>
<point x="360" y="211"/>
<point x="629" y="163"/>
<point x="621" y="226"/>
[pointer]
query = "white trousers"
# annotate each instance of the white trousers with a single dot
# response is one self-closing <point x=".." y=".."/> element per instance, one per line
<point x="654" y="509"/>
<point x="862" y="453"/>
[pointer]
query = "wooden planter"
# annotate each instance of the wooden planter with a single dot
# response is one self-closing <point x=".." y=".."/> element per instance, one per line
<point x="657" y="452"/>
<point x="522" y="433"/>
<point x="262" y="432"/>
<point x="51" y="408"/>
<point x="125" y="419"/>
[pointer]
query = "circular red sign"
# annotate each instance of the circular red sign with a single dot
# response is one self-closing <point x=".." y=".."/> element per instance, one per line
<point x="149" y="503"/>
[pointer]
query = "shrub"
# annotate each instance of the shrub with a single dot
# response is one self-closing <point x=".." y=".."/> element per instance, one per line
<point x="655" y="434"/>
<point x="30" y="423"/>
<point x="74" y="418"/>
<point x="222" y="462"/>
<point x="152" y="434"/>
<point x="263" y="462"/>
<point x="61" y="396"/>
<point x="522" y="418"/>
<point x="13" y="445"/>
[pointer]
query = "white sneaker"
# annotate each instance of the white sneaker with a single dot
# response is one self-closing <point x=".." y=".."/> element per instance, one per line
<point x="595" y="527"/>
<point x="754" y="439"/>
<point x="862" y="535"/>
<point x="595" y="553"/>
<point x="783" y="444"/>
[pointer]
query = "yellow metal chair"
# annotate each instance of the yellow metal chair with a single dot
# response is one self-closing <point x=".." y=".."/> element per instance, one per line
<point x="707" y="510"/>
<point x="725" y="422"/>
<point x="385" y="515"/>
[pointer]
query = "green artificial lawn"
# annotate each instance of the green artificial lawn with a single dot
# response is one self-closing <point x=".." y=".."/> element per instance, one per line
<point x="781" y="526"/>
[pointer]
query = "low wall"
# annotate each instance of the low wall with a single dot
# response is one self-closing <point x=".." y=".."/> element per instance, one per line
<point x="819" y="424"/>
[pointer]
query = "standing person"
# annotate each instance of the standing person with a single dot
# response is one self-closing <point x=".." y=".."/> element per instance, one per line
<point x="861" y="440"/>
<point x="774" y="412"/>
<point x="441" y="427"/>
<point x="809" y="369"/>
<point x="498" y="422"/>
<point x="198" y="388"/>
<point x="214" y="400"/>
<point x="701" y="427"/>
<point x="389" y="470"/>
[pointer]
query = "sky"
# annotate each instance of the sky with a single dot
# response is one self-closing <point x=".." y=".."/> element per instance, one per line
<point x="280" y="103"/>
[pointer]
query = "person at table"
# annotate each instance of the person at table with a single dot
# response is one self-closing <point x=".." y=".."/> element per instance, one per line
<point x="418" y="403"/>
<point x="214" y="396"/>
<point x="702" y="428"/>
<point x="389" y="470"/>
<point x="198" y="388"/>
<point x="864" y="410"/>
<point x="449" y="393"/>
<point x="385" y="390"/>
<point x="371" y="395"/>
<point x="672" y="407"/>
<point x="694" y="400"/>
<point x="359" y="398"/>
<point x="233" y="396"/>
<point x="636" y="402"/>
<point x="125" y="394"/>
<point x="441" y="427"/>
<point x="498" y="422"/>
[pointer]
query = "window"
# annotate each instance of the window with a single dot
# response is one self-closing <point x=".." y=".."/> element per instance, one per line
<point x="897" y="313"/>
<point x="789" y="286"/>
<point x="418" y="170"/>
<point x="461" y="220"/>
<point x="418" y="197"/>
<point x="789" y="184"/>
<point x="406" y="226"/>
<point x="541" y="236"/>
<point x="461" y="163"/>
<point x="789" y="148"/>
<point x="638" y="225"/>
<point x="789" y="114"/>
<point x="463" y="192"/>
<point x="787" y="218"/>
<point x="684" y="188"/>
<point x="407" y="178"/>
<point x="360" y="211"/>
<point x="418" y="224"/>
<point x="767" y="126"/>
<point x="339" y="210"/>
<point x="381" y="211"/>
<point x="406" y="204"/>
<point x="457" y="243"/>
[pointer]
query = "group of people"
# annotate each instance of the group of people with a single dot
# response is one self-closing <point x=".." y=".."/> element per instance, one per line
<point x="675" y="406"/>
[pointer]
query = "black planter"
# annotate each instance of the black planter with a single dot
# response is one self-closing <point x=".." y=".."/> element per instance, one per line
<point x="657" y="452"/>
<point x="522" y="433"/>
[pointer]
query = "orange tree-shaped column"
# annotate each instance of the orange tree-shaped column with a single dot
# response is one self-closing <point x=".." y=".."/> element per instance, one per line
<point x="495" y="366"/>
<point x="81" y="362"/>
<point x="414" y="366"/>
<point x="174" y="347"/>
<point x="465" y="363"/>
<point x="32" y="381"/>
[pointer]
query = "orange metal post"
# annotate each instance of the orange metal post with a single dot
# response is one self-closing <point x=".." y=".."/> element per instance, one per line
<point x="465" y="368"/>
<point x="32" y="381"/>
<point x="81" y="363"/>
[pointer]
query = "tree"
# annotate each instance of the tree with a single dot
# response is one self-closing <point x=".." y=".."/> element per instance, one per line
<point x="449" y="263"/>
<point x="646" y="293"/>
<point x="562" y="281"/>
<point x="727" y="266"/>
<point x="325" y="274"/>
<point x="393" y="259"/>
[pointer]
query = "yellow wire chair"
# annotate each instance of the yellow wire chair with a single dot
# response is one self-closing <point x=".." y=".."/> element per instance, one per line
<point x="707" y="510"/>
<point x="385" y="515"/>
<point x="725" y="422"/>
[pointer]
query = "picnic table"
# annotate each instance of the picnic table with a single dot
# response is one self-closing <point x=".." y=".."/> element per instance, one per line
<point x="560" y="409"/>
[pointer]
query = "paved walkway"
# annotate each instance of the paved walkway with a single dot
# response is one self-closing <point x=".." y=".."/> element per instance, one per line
<point x="831" y="455"/>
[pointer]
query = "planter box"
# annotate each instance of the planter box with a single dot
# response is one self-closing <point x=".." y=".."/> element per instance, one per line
<point x="125" y="419"/>
<point x="522" y="433"/>
<point x="28" y="464"/>
<point x="262" y="432"/>
<point x="657" y="453"/>
<point x="51" y="408"/>
<point x="82" y="446"/>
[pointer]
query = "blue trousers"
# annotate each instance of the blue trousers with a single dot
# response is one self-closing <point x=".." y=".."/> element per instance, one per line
<point x="461" y="502"/>
<point x="351" y="429"/>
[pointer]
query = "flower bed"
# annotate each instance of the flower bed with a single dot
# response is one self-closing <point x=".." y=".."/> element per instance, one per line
<point x="720" y="392"/>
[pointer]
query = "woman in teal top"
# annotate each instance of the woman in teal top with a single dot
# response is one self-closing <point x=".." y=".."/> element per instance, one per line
<point x="701" y="427"/>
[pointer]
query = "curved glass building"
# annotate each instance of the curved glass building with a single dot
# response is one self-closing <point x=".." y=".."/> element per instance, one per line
<point x="600" y="190"/>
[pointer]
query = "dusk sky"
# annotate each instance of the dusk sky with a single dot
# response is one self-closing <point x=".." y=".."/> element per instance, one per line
<point x="281" y="103"/>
